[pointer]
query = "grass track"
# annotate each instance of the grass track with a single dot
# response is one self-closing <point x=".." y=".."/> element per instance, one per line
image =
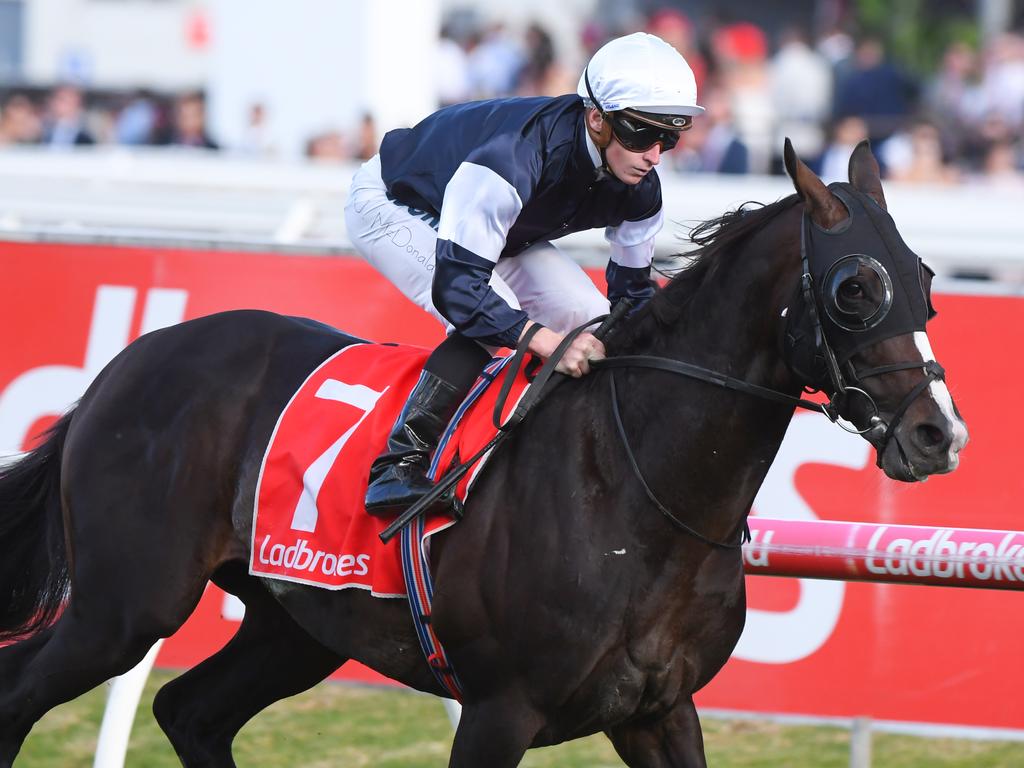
<point x="340" y="726"/>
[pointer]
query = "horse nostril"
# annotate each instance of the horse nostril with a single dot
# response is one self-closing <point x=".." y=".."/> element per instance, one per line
<point x="931" y="439"/>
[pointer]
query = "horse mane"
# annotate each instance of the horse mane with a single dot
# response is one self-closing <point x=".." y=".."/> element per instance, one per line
<point x="714" y="238"/>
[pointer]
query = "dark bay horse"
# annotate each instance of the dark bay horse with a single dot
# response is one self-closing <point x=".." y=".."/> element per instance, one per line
<point x="568" y="603"/>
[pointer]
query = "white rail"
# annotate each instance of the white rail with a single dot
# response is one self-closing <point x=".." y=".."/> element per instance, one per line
<point x="199" y="197"/>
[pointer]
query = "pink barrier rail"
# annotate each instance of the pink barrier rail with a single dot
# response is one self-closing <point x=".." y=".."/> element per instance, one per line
<point x="905" y="554"/>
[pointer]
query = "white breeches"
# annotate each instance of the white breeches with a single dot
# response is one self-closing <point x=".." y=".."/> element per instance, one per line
<point x="400" y="243"/>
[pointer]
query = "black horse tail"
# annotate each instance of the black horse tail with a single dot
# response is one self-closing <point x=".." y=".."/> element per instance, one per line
<point x="34" y="576"/>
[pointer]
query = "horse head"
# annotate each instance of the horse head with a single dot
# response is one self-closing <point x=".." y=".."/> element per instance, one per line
<point x="856" y="328"/>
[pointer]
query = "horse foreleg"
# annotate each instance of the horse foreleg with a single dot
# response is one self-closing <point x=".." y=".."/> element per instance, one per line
<point x="495" y="733"/>
<point x="671" y="741"/>
<point x="268" y="659"/>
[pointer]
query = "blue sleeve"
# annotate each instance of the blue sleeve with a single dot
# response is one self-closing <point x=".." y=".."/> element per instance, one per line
<point x="461" y="292"/>
<point x="482" y="201"/>
<point x="629" y="282"/>
<point x="632" y="249"/>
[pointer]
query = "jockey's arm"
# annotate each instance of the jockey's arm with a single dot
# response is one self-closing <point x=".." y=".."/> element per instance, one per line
<point x="481" y="202"/>
<point x="632" y="250"/>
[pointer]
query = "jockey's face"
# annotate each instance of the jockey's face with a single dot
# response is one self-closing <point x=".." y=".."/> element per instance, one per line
<point x="631" y="167"/>
<point x="628" y="167"/>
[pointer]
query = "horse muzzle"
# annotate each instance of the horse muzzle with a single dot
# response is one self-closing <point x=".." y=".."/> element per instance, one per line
<point x="918" y="449"/>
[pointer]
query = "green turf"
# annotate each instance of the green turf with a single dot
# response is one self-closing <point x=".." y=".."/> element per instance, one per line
<point x="339" y="725"/>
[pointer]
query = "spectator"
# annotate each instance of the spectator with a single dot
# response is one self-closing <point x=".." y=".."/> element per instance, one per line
<point x="327" y="147"/>
<point x="953" y="91"/>
<point x="453" y="83"/>
<point x="617" y="17"/>
<point x="846" y="135"/>
<point x="256" y="138"/>
<point x="953" y="95"/>
<point x="1002" y="87"/>
<point x="540" y="61"/>
<point x="801" y="92"/>
<point x="991" y="129"/>
<point x="64" y="125"/>
<point x="675" y="28"/>
<point x="916" y="156"/>
<point x="188" y="128"/>
<point x="19" y="121"/>
<point x="1002" y="167"/>
<point x="495" y="62"/>
<point x="874" y="90"/>
<point x="837" y="48"/>
<point x="367" y="142"/>
<point x="137" y="122"/>
<point x="712" y="144"/>
<point x="740" y="54"/>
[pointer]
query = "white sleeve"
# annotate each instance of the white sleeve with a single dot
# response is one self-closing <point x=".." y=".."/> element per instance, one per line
<point x="632" y="242"/>
<point x="478" y="210"/>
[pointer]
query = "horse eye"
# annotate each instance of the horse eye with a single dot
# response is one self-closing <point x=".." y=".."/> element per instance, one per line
<point x="851" y="289"/>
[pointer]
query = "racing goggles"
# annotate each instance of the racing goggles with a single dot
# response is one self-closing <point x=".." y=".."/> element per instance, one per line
<point x="638" y="132"/>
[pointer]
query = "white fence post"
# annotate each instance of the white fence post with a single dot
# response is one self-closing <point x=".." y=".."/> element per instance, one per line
<point x="454" y="710"/>
<point x="118" y="717"/>
<point x="860" y="743"/>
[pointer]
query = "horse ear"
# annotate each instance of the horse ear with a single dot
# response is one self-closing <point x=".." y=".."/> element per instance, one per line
<point x="865" y="173"/>
<point x="823" y="207"/>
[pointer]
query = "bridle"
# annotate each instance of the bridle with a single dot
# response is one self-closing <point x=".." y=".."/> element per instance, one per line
<point x="819" y="365"/>
<point x="838" y="382"/>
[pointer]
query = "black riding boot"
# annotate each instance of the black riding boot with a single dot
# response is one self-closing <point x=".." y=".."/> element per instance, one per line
<point x="398" y="476"/>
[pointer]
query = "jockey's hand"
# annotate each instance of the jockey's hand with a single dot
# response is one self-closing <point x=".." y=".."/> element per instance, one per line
<point x="576" y="360"/>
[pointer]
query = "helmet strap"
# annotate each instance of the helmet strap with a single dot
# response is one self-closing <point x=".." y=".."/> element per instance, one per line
<point x="603" y="137"/>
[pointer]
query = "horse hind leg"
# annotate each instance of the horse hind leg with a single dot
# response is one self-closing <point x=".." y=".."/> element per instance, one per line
<point x="268" y="659"/>
<point x="87" y="645"/>
<point x="124" y="598"/>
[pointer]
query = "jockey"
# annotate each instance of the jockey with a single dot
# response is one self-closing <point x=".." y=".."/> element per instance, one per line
<point x="459" y="213"/>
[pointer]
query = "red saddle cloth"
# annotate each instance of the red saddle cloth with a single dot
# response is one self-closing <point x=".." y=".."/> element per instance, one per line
<point x="309" y="523"/>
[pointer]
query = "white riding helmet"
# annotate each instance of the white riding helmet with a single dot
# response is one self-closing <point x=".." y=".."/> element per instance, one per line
<point x="643" y="73"/>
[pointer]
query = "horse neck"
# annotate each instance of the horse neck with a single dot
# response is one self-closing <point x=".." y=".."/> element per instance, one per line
<point x="704" y="447"/>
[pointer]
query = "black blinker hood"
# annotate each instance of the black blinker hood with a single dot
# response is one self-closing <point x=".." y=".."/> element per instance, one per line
<point x="810" y="331"/>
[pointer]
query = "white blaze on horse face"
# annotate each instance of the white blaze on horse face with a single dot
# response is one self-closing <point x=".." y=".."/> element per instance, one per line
<point x="939" y="392"/>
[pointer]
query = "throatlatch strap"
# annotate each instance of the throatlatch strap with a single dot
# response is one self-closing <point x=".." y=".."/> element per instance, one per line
<point x="420" y="588"/>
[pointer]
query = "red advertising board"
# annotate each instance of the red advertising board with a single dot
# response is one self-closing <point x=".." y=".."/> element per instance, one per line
<point x="826" y="648"/>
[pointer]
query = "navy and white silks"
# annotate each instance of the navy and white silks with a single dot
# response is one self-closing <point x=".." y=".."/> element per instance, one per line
<point x="498" y="180"/>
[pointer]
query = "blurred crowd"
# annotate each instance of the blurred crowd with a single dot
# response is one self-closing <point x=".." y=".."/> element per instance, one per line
<point x="962" y="122"/>
<point x="66" y="116"/>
